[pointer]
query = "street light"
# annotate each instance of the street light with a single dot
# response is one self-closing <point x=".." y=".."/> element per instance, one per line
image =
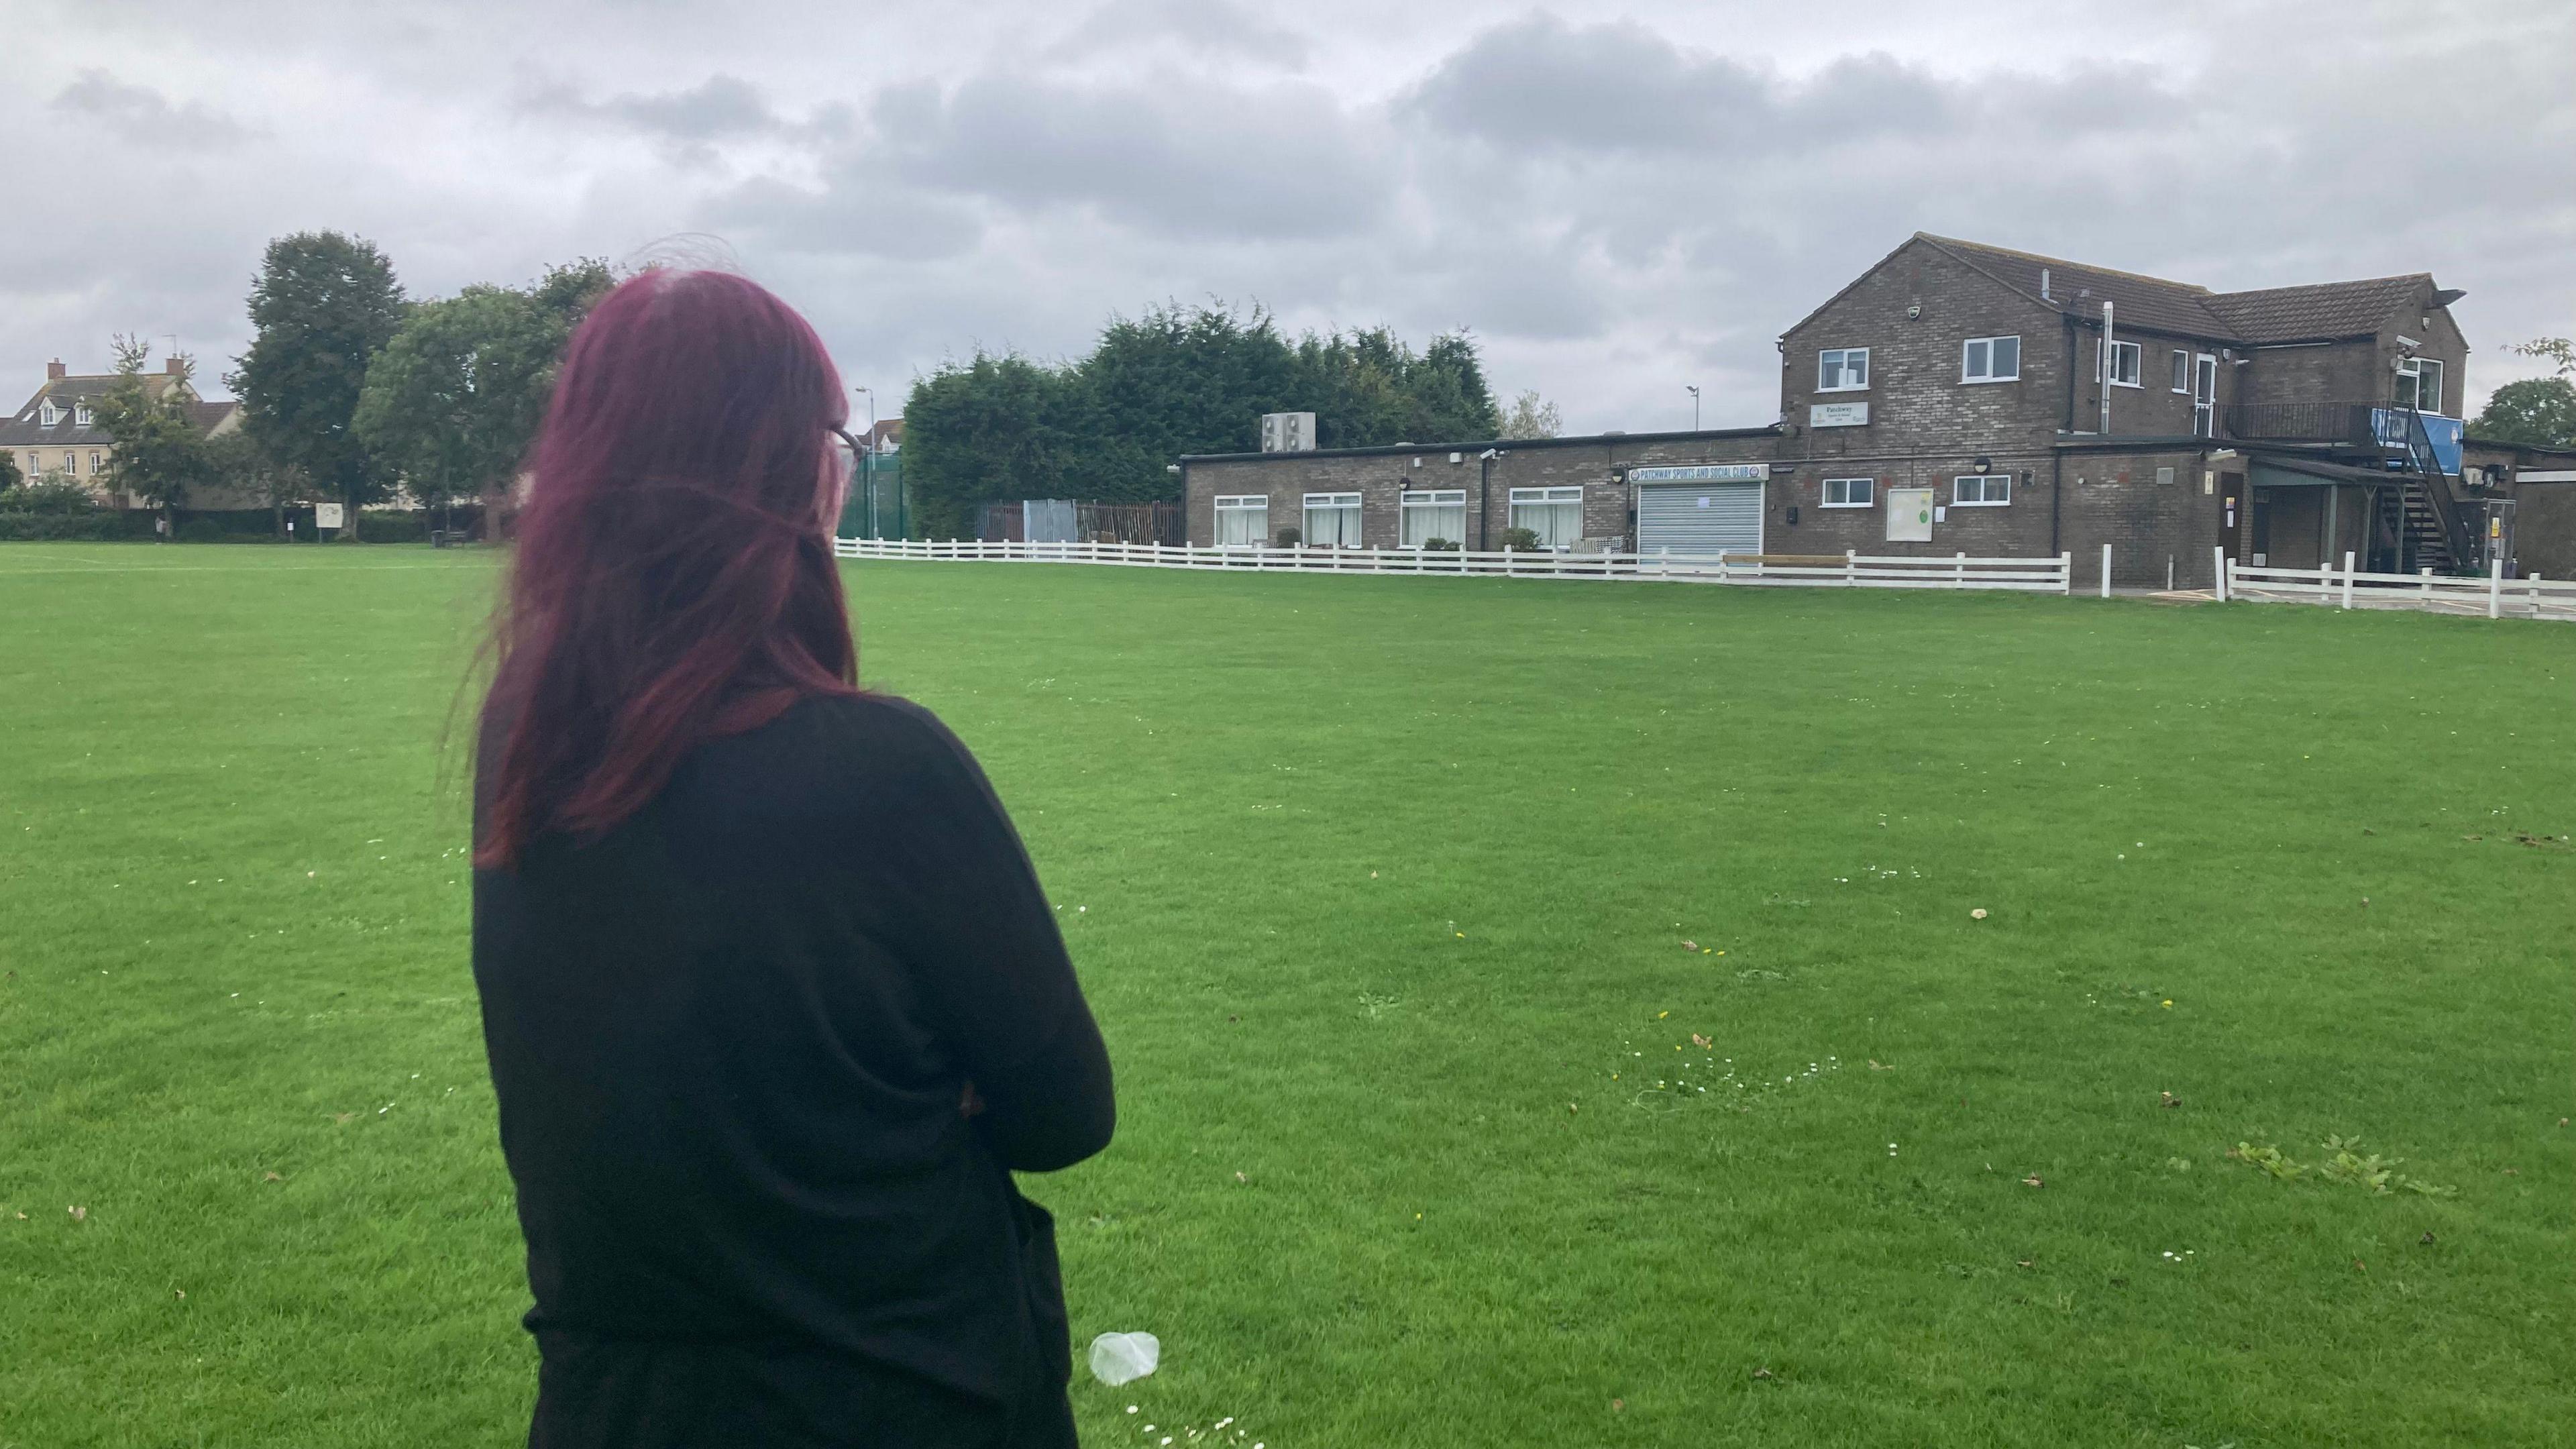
<point x="867" y="474"/>
<point x="1693" y="389"/>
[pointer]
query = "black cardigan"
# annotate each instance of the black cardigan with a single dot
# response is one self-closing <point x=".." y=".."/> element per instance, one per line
<point x="729" y="1041"/>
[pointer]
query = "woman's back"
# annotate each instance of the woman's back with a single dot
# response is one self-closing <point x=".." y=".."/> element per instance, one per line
<point x="730" y="1039"/>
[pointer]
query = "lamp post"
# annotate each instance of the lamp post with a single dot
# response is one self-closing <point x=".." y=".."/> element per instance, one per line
<point x="1693" y="389"/>
<point x="867" y="473"/>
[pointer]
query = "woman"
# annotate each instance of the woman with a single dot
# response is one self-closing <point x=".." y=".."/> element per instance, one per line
<point x="773" y="999"/>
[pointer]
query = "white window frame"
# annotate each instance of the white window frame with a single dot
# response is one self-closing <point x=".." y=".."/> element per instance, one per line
<point x="50" y="414"/>
<point x="2136" y="352"/>
<point x="80" y="415"/>
<point x="1415" y="503"/>
<point x="2413" y="373"/>
<point x="1336" y="503"/>
<point x="1985" y="485"/>
<point x="2182" y="371"/>
<point x="1556" y="497"/>
<point x="1967" y="348"/>
<point x="1843" y="368"/>
<point x="1257" y="504"/>
<point x="93" y="462"/>
<point x="1868" y="493"/>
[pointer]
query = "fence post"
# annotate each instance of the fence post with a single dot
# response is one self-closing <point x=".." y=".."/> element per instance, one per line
<point x="1851" y="568"/>
<point x="2066" y="572"/>
<point x="2218" y="573"/>
<point x="2347" y="578"/>
<point x="2106" y="571"/>
<point x="1959" y="569"/>
<point x="2535" y="596"/>
<point x="2495" y="589"/>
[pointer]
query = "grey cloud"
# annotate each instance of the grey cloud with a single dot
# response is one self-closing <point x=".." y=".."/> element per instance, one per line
<point x="847" y="215"/>
<point x="143" y="115"/>
<point x="1178" y="156"/>
<point x="719" y="108"/>
<point x="1206" y="27"/>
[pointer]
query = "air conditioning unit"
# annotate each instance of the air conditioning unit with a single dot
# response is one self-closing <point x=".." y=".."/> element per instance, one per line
<point x="1287" y="432"/>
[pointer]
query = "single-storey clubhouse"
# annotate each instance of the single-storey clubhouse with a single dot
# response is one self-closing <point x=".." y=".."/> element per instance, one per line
<point x="1963" y="398"/>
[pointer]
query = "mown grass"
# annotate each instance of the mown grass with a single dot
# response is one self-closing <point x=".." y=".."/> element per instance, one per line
<point x="1381" y="889"/>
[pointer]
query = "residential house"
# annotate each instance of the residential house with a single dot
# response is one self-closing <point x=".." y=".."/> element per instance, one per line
<point x="57" y="432"/>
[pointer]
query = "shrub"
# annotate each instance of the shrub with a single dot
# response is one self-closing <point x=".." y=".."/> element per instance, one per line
<point x="393" y="526"/>
<point x="1521" y="540"/>
<point x="1441" y="545"/>
<point x="1288" y="537"/>
<point x="201" y="530"/>
<point x="96" y="526"/>
<point x="50" y="493"/>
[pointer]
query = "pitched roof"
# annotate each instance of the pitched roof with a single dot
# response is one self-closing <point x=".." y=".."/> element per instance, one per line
<point x="2142" y="301"/>
<point x="26" y="427"/>
<point x="2320" y="310"/>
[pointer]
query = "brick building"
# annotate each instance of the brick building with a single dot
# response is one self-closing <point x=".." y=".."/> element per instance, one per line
<point x="1963" y="398"/>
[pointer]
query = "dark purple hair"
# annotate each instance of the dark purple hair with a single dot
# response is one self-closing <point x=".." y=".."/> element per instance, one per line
<point x="674" y="577"/>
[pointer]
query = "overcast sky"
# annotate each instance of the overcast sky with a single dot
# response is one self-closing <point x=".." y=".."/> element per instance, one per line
<point x="1618" y="200"/>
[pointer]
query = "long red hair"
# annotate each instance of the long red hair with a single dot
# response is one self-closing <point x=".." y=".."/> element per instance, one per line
<point x="674" y="577"/>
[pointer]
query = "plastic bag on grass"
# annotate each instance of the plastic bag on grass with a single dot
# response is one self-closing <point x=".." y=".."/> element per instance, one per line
<point x="1118" y="1358"/>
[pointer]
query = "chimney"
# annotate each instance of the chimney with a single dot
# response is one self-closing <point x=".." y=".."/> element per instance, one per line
<point x="2043" y="286"/>
<point x="174" y="367"/>
<point x="55" y="371"/>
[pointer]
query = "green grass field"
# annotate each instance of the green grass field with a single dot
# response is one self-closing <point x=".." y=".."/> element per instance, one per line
<point x="1404" y="904"/>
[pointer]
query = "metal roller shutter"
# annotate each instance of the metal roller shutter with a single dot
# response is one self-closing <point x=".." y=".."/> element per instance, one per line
<point x="1699" y="518"/>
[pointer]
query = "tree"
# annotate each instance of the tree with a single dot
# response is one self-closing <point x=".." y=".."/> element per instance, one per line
<point x="2537" y="411"/>
<point x="1531" y="416"/>
<point x="10" y="476"/>
<point x="991" y="428"/>
<point x="322" y="307"/>
<point x="2559" y="350"/>
<point x="454" y="400"/>
<point x="237" y="462"/>
<point x="1172" y="381"/>
<point x="160" y="451"/>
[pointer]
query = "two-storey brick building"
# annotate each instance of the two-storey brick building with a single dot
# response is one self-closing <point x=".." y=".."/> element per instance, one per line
<point x="1963" y="398"/>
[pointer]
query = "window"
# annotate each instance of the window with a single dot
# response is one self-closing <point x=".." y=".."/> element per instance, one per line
<point x="2419" y="384"/>
<point x="1332" y="520"/>
<point x="1554" y="514"/>
<point x="52" y="414"/>
<point x="1980" y="490"/>
<point x="2125" y="359"/>
<point x="1850" y="492"/>
<point x="1243" y="521"/>
<point x="1990" y="359"/>
<point x="1842" y="369"/>
<point x="71" y="464"/>
<point x="1431" y="513"/>
<point x="93" y="465"/>
<point x="80" y="415"/>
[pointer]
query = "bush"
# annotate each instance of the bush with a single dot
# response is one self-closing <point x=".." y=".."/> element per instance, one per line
<point x="1521" y="540"/>
<point x="201" y="530"/>
<point x="51" y="494"/>
<point x="1288" y="537"/>
<point x="96" y="526"/>
<point x="1441" y="545"/>
<point x="393" y="526"/>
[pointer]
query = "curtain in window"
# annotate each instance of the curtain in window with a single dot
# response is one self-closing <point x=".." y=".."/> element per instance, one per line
<point x="1242" y="526"/>
<point x="1424" y="522"/>
<point x="1558" y="525"/>
<point x="1333" y="525"/>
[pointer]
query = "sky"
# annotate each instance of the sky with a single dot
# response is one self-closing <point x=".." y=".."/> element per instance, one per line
<point x="1617" y="201"/>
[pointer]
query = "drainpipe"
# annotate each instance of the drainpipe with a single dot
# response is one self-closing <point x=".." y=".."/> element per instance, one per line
<point x="1485" y="498"/>
<point x="2056" y="482"/>
<point x="2069" y="319"/>
<point x="2106" y="367"/>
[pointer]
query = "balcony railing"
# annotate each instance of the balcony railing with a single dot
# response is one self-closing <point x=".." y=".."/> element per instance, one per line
<point x="2305" y="422"/>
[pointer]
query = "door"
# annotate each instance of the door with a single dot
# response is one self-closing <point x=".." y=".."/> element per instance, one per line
<point x="1699" y="518"/>
<point x="2232" y="506"/>
<point x="1909" y="515"/>
<point x="2204" y="396"/>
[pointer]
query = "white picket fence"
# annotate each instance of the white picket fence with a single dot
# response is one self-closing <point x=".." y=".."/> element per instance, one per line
<point x="1852" y="570"/>
<point x="2494" y="596"/>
